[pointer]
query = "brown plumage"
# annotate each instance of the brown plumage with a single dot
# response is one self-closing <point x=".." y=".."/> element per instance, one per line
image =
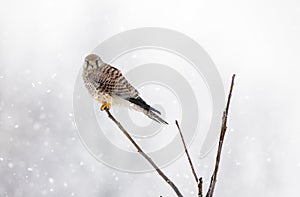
<point x="107" y="85"/>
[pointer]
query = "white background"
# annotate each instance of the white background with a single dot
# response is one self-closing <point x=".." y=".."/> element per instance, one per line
<point x="42" y="45"/>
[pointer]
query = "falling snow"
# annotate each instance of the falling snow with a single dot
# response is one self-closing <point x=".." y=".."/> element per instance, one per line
<point x="10" y="165"/>
<point x="51" y="180"/>
<point x="41" y="152"/>
<point x="53" y="75"/>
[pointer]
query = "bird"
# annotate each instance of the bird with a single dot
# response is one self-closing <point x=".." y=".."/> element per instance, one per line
<point x="107" y="85"/>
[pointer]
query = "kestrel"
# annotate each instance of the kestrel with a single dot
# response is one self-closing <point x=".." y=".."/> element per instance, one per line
<point x="108" y="86"/>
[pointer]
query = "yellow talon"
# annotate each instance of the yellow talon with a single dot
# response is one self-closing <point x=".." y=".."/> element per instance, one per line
<point x="105" y="106"/>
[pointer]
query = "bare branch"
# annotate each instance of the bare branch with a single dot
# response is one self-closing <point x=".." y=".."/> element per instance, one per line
<point x="213" y="179"/>
<point x="200" y="188"/>
<point x="198" y="182"/>
<point x="187" y="153"/>
<point x="144" y="154"/>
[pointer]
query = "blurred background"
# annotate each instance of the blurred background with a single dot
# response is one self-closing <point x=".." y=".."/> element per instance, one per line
<point x="42" y="46"/>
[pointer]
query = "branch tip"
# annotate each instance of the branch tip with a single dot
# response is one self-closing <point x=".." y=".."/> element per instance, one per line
<point x="213" y="179"/>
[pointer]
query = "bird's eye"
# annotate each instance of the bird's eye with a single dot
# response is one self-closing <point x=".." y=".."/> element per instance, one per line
<point x="87" y="63"/>
<point x="97" y="63"/>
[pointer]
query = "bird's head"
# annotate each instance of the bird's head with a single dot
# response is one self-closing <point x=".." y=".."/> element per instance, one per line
<point x="92" y="61"/>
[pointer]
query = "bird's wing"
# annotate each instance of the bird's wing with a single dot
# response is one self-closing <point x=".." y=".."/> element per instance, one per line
<point x="111" y="81"/>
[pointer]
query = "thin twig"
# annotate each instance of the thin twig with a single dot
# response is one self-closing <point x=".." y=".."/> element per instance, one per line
<point x="200" y="190"/>
<point x="174" y="187"/>
<point x="213" y="179"/>
<point x="187" y="153"/>
<point x="198" y="182"/>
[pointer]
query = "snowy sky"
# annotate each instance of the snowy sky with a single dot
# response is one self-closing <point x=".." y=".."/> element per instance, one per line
<point x="42" y="46"/>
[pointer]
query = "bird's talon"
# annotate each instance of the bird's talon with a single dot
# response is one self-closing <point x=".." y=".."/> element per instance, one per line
<point x="105" y="106"/>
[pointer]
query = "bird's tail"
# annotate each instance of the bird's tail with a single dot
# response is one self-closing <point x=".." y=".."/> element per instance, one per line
<point x="147" y="109"/>
<point x="151" y="114"/>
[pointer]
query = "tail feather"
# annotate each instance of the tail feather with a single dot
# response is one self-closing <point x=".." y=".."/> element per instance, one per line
<point x="140" y="102"/>
<point x="153" y="109"/>
<point x="147" y="109"/>
<point x="155" y="117"/>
